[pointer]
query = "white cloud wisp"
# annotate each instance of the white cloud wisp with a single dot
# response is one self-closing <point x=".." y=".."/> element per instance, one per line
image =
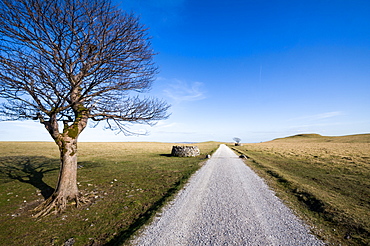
<point x="181" y="91"/>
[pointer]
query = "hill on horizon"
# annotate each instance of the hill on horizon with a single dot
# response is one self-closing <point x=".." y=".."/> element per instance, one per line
<point x="317" y="138"/>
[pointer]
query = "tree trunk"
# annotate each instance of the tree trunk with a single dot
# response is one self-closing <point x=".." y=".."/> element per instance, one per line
<point x="66" y="189"/>
<point x="67" y="181"/>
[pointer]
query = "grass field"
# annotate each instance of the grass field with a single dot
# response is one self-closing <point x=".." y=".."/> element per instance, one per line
<point x="325" y="179"/>
<point x="127" y="183"/>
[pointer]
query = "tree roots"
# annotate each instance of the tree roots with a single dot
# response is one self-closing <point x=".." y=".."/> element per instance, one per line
<point x="56" y="204"/>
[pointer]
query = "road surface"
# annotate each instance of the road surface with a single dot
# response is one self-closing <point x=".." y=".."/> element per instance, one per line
<point x="226" y="203"/>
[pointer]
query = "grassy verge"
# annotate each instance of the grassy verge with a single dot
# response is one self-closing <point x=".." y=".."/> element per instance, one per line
<point x="128" y="183"/>
<point x="325" y="179"/>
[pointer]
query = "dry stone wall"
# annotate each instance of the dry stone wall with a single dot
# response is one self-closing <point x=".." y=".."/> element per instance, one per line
<point x="185" y="151"/>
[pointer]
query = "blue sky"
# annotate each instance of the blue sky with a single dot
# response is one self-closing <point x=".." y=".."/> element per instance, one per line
<point x="251" y="69"/>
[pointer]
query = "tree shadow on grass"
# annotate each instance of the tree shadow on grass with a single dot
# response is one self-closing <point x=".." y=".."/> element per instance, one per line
<point x="28" y="169"/>
<point x="166" y="155"/>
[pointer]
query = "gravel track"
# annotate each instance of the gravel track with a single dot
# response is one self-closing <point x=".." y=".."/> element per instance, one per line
<point x="226" y="203"/>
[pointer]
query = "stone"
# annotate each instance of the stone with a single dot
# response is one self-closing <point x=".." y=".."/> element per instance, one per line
<point x="69" y="242"/>
<point x="185" y="151"/>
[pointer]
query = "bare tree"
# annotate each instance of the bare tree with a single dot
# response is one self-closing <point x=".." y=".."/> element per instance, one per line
<point x="237" y="140"/>
<point x="68" y="61"/>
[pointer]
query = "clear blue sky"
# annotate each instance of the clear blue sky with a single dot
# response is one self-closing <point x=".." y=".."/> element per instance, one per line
<point x="251" y="69"/>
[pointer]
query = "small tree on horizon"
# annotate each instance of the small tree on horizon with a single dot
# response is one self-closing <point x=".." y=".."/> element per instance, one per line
<point x="63" y="62"/>
<point x="237" y="140"/>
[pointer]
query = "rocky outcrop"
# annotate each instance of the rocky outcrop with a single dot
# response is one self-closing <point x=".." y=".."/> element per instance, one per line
<point x="185" y="151"/>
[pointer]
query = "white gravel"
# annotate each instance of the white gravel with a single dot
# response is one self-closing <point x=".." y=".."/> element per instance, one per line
<point x="226" y="203"/>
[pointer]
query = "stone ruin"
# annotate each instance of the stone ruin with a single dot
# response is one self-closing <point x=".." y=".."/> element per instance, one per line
<point x="185" y="151"/>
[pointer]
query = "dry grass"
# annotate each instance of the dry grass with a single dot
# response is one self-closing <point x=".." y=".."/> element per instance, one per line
<point x="126" y="182"/>
<point x="329" y="176"/>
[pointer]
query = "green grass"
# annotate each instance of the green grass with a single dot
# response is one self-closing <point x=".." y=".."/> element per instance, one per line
<point x="325" y="179"/>
<point x="127" y="183"/>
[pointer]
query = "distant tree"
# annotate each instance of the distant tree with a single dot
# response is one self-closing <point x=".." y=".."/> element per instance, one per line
<point x="63" y="62"/>
<point x="237" y="140"/>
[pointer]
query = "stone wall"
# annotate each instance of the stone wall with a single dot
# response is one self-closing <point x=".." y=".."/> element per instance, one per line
<point x="185" y="151"/>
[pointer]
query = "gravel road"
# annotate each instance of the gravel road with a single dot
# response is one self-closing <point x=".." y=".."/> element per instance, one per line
<point x="226" y="203"/>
